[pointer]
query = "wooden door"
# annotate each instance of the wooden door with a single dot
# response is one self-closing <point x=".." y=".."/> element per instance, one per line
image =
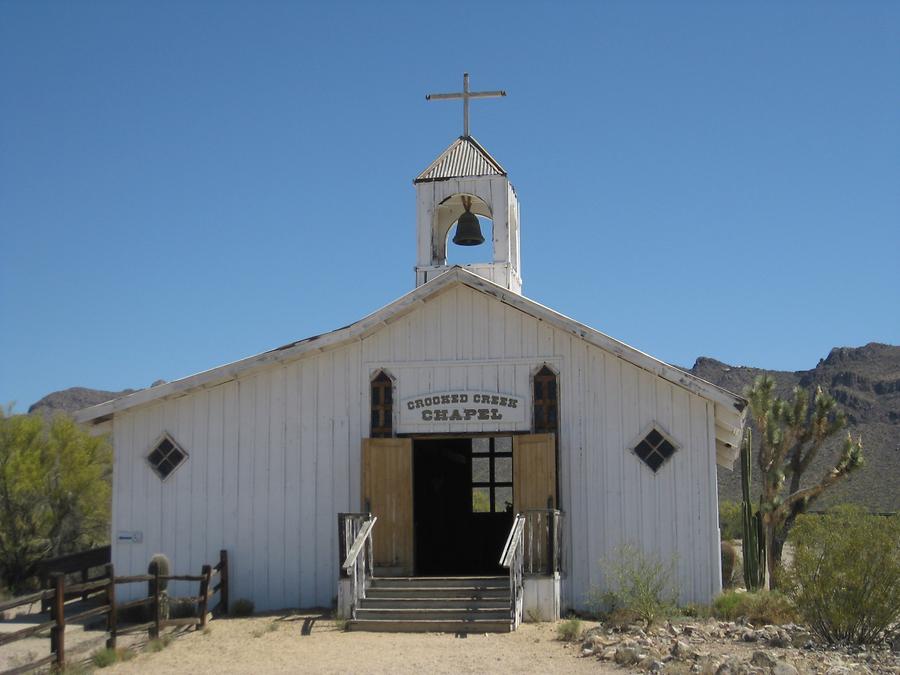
<point x="534" y="472"/>
<point x="387" y="492"/>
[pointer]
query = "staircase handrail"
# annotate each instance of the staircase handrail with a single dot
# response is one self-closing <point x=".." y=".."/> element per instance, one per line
<point x="513" y="559"/>
<point x="358" y="565"/>
<point x="364" y="536"/>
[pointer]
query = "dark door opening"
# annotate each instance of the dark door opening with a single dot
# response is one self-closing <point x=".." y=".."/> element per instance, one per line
<point x="462" y="504"/>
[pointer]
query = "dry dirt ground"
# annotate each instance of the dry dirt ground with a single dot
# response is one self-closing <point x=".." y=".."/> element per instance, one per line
<point x="307" y="643"/>
<point x="79" y="639"/>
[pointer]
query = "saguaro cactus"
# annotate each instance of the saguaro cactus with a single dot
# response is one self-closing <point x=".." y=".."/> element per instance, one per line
<point x="753" y="542"/>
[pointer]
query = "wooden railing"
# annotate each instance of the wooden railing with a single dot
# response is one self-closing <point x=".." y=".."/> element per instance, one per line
<point x="542" y="541"/>
<point x="355" y="542"/>
<point x="82" y="563"/>
<point x="104" y="588"/>
<point x="513" y="559"/>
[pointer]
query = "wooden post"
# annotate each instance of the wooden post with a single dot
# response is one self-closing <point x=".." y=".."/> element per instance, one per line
<point x="112" y="616"/>
<point x="154" y="629"/>
<point x="551" y="540"/>
<point x="58" y="613"/>
<point x="223" y="574"/>
<point x="204" y="593"/>
<point x="342" y="543"/>
<point x="84" y="580"/>
<point x="47" y="583"/>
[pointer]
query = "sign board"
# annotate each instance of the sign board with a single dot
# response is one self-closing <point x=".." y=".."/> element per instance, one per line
<point x="131" y="537"/>
<point x="462" y="407"/>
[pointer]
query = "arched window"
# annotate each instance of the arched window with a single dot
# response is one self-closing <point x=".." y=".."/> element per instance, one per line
<point x="546" y="402"/>
<point x="382" y="389"/>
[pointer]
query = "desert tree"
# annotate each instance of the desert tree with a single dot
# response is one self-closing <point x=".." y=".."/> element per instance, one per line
<point x="792" y="432"/>
<point x="54" y="492"/>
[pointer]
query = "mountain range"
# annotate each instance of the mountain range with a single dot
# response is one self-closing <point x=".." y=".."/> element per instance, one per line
<point x="865" y="381"/>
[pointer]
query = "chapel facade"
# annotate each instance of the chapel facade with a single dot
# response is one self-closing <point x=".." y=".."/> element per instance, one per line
<point x="441" y="423"/>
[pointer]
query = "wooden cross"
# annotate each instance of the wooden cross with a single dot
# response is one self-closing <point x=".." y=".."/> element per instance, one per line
<point x="465" y="95"/>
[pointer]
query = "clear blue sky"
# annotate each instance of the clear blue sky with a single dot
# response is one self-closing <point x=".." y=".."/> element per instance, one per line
<point x="183" y="184"/>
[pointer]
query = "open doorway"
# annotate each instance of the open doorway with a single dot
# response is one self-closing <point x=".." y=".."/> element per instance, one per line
<point x="462" y="504"/>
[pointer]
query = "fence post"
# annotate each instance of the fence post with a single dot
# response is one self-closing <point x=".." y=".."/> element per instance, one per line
<point x="47" y="583"/>
<point x="204" y="593"/>
<point x="84" y="580"/>
<point x="112" y="615"/>
<point x="551" y="543"/>
<point x="58" y="614"/>
<point x="223" y="574"/>
<point x="154" y="629"/>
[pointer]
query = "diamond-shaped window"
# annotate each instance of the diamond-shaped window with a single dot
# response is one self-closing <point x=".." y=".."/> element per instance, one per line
<point x="166" y="456"/>
<point x="655" y="448"/>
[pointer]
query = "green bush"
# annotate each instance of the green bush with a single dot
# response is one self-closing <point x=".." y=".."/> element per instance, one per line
<point x="242" y="607"/>
<point x="694" y="610"/>
<point x="761" y="607"/>
<point x="569" y="630"/>
<point x="845" y="578"/>
<point x="639" y="583"/>
<point x="730" y="520"/>
<point x="729" y="605"/>
<point x="55" y="482"/>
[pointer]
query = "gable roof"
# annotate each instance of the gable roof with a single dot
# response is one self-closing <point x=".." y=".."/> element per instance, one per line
<point x="465" y="157"/>
<point x="729" y="407"/>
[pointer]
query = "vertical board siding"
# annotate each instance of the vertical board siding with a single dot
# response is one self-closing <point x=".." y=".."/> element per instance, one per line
<point x="275" y="454"/>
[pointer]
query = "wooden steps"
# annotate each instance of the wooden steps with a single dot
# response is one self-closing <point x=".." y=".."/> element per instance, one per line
<point x="435" y="605"/>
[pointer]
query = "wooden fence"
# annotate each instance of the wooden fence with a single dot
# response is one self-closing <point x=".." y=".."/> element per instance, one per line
<point x="82" y="563"/>
<point x="212" y="580"/>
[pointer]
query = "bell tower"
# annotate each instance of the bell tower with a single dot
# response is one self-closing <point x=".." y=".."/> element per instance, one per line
<point x="465" y="182"/>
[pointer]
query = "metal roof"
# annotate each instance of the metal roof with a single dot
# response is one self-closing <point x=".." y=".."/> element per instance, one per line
<point x="465" y="157"/>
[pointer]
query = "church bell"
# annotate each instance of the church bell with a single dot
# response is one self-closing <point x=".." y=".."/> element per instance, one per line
<point x="468" y="230"/>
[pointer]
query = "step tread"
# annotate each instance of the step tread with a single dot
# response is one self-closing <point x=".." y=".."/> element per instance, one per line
<point x="432" y="610"/>
<point x="431" y="625"/>
<point x="460" y="602"/>
<point x="478" y="578"/>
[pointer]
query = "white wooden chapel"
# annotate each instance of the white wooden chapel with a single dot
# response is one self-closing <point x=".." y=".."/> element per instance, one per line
<point x="447" y="411"/>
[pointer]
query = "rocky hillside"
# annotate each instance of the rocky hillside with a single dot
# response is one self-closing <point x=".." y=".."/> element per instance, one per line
<point x="866" y="383"/>
<point x="74" y="398"/>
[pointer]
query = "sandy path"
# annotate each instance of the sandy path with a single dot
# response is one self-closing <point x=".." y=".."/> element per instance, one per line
<point x="250" y="646"/>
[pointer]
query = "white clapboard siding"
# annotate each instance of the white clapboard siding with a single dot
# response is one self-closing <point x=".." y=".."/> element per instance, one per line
<point x="274" y="454"/>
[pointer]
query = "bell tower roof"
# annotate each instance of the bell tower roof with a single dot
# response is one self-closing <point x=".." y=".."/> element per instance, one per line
<point x="464" y="158"/>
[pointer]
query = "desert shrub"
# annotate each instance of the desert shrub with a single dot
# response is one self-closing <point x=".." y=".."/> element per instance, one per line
<point x="730" y="520"/>
<point x="242" y="607"/>
<point x="104" y="657"/>
<point x="55" y="482"/>
<point x="845" y="578"/>
<point x="728" y="605"/>
<point x="761" y="607"/>
<point x="694" y="610"/>
<point x="569" y="630"/>
<point x="729" y="564"/>
<point x="640" y="584"/>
